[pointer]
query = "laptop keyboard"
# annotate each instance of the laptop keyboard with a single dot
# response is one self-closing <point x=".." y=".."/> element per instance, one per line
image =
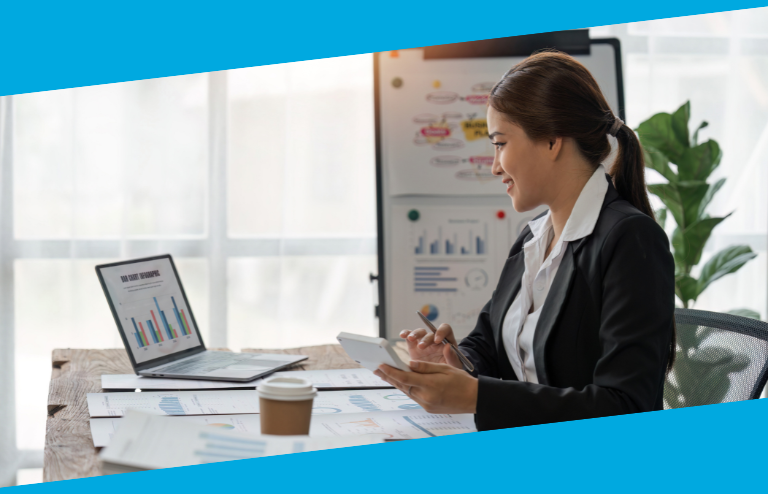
<point x="201" y="364"/>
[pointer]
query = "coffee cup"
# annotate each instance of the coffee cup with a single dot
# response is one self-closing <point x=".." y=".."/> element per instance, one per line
<point x="286" y="405"/>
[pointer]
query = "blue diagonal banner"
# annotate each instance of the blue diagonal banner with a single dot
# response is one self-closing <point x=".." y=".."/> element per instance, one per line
<point x="53" y="45"/>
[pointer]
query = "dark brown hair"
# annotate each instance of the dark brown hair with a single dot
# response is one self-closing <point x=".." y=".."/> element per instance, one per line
<point x="550" y="94"/>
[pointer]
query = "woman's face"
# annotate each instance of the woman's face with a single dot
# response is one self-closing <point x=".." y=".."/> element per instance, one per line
<point x="525" y="166"/>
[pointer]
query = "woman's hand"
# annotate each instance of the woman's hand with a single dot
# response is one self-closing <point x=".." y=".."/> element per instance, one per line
<point x="438" y="388"/>
<point x="426" y="346"/>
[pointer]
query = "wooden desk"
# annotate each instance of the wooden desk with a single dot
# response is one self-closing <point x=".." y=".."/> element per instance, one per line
<point x="69" y="451"/>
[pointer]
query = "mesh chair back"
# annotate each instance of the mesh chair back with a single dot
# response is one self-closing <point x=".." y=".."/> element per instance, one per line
<point x="720" y="358"/>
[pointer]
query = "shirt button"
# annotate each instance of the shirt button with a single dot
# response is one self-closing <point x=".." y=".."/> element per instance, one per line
<point x="540" y="285"/>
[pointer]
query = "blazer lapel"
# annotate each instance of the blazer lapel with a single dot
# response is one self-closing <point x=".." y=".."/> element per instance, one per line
<point x="550" y="313"/>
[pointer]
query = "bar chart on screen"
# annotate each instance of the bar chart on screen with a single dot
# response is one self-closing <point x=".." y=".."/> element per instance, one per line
<point x="151" y="308"/>
<point x="156" y="320"/>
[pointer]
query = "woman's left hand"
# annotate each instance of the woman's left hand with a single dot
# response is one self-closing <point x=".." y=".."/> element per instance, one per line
<point x="438" y="388"/>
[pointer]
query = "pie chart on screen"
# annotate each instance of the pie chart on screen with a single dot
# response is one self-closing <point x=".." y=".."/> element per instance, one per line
<point x="430" y="312"/>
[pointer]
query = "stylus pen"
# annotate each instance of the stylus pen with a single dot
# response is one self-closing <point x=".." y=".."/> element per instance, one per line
<point x="464" y="360"/>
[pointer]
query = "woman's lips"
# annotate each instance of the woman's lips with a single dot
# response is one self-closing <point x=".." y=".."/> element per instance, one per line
<point x="509" y="186"/>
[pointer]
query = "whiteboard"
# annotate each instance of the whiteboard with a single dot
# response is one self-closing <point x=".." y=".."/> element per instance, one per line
<point x="445" y="223"/>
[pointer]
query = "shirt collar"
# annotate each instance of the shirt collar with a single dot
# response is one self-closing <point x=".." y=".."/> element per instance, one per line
<point x="585" y="212"/>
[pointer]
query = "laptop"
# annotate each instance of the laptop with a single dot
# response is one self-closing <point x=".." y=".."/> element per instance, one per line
<point x="159" y="330"/>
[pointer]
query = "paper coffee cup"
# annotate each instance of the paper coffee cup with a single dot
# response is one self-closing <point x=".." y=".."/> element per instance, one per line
<point x="286" y="405"/>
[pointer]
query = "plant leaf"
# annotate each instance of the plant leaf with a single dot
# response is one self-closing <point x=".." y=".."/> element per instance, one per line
<point x="657" y="132"/>
<point x="691" y="194"/>
<point x="661" y="217"/>
<point x="689" y="243"/>
<point x="745" y="313"/>
<point x="678" y="252"/>
<point x="670" y="196"/>
<point x="680" y="123"/>
<point x="702" y="125"/>
<point x="686" y="288"/>
<point x="655" y="160"/>
<point x="698" y="163"/>
<point x="727" y="261"/>
<point x="687" y="337"/>
<point x="709" y="195"/>
<point x="682" y="200"/>
<point x="710" y="369"/>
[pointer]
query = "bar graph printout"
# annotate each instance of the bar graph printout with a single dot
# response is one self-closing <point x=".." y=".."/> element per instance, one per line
<point x="149" y="442"/>
<point x="154" y="316"/>
<point x="368" y="400"/>
<point x="403" y="424"/>
<point x="446" y="262"/>
<point x="413" y="424"/>
<point x="104" y="429"/>
<point x="212" y="402"/>
<point x="234" y="401"/>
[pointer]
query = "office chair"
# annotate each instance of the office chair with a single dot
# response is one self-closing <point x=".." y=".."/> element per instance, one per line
<point x="720" y="358"/>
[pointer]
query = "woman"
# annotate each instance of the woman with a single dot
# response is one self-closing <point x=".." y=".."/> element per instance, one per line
<point x="581" y="323"/>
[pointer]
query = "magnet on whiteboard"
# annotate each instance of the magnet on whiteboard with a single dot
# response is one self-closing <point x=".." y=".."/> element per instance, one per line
<point x="397" y="82"/>
<point x="413" y="215"/>
<point x="436" y="84"/>
<point x="500" y="214"/>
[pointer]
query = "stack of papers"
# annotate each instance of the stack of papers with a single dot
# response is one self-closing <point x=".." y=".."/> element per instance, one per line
<point x="224" y="402"/>
<point x="389" y="413"/>
<point x="147" y="442"/>
<point x="352" y="403"/>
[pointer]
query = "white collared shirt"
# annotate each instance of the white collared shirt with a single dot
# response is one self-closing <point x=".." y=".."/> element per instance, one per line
<point x="519" y="325"/>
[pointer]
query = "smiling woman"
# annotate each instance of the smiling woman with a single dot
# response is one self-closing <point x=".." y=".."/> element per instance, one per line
<point x="581" y="322"/>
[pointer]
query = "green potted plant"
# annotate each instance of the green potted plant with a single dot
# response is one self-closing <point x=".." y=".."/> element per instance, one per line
<point x="701" y="372"/>
<point x="686" y="195"/>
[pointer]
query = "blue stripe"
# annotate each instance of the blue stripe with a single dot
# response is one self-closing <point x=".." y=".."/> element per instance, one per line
<point x="419" y="427"/>
<point x="152" y="331"/>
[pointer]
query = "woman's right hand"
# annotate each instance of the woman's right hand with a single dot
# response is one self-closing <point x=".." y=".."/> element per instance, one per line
<point x="427" y="346"/>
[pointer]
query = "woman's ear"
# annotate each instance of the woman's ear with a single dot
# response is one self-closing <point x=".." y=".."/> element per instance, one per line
<point x="555" y="146"/>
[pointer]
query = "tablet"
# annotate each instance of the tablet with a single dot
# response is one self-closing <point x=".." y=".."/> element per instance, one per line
<point x="371" y="352"/>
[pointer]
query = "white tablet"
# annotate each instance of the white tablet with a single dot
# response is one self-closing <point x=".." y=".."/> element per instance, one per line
<point x="371" y="352"/>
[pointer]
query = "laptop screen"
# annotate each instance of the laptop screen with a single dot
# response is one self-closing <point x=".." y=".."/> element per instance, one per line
<point x="150" y="307"/>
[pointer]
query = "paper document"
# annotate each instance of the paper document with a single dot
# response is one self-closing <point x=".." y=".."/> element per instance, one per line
<point x="369" y="400"/>
<point x="174" y="402"/>
<point x="435" y="138"/>
<point x="403" y="424"/>
<point x="223" y="402"/>
<point x="132" y="381"/>
<point x="146" y="442"/>
<point x="448" y="261"/>
<point x="322" y="379"/>
<point x="103" y="429"/>
<point x="339" y="378"/>
<point x="412" y="424"/>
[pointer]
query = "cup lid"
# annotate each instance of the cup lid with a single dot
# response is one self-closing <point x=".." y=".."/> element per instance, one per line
<point x="286" y="389"/>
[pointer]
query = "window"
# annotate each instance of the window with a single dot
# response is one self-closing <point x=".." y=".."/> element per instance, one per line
<point x="720" y="63"/>
<point x="260" y="182"/>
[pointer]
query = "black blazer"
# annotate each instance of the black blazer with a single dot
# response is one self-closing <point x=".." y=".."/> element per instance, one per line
<point x="602" y="341"/>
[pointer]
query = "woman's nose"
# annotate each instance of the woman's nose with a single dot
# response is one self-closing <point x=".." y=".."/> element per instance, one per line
<point x="496" y="167"/>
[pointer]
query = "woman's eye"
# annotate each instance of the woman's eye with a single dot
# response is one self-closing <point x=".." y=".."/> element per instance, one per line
<point x="498" y="144"/>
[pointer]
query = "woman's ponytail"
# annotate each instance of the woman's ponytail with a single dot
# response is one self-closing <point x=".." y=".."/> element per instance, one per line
<point x="628" y="174"/>
<point x="628" y="170"/>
